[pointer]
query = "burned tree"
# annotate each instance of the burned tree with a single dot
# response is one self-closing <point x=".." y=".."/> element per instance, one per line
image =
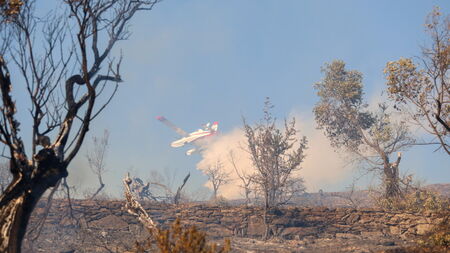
<point x="216" y="176"/>
<point x="96" y="159"/>
<point x="159" y="188"/>
<point x="5" y="176"/>
<point x="67" y="85"/>
<point x="246" y="179"/>
<point x="277" y="156"/>
<point x="141" y="190"/>
<point x="177" y="197"/>
<point x="372" y="137"/>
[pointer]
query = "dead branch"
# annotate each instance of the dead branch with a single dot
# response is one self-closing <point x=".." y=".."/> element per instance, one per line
<point x="176" y="198"/>
<point x="134" y="208"/>
<point x="216" y="176"/>
<point x="246" y="180"/>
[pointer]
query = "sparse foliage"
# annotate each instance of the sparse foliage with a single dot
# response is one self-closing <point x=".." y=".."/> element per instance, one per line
<point x="277" y="156"/>
<point x="371" y="137"/>
<point x="416" y="199"/>
<point x="61" y="59"/>
<point x="186" y="240"/>
<point x="217" y="176"/>
<point x="9" y="9"/>
<point x="421" y="90"/>
<point x="439" y="236"/>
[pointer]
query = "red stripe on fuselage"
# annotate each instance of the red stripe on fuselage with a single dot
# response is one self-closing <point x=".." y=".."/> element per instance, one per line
<point x="207" y="133"/>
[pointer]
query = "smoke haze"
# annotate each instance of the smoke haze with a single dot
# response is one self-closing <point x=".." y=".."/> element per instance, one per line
<point x="322" y="168"/>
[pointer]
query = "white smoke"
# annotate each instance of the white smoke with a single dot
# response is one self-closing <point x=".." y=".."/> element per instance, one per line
<point x="321" y="169"/>
<point x="219" y="150"/>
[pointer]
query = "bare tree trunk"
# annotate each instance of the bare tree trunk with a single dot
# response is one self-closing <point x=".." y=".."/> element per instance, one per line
<point x="392" y="179"/>
<point x="17" y="204"/>
<point x="34" y="232"/>
<point x="102" y="185"/>
<point x="392" y="186"/>
<point x="19" y="199"/>
<point x="214" y="193"/>
<point x="266" y="223"/>
<point x="15" y="211"/>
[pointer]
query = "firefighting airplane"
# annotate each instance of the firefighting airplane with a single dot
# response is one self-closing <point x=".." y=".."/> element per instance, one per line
<point x="196" y="138"/>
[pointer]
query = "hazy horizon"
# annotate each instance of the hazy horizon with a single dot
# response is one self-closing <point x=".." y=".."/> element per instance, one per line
<point x="203" y="61"/>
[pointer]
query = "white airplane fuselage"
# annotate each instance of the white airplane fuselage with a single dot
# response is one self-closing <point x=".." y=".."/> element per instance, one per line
<point x="194" y="136"/>
<point x="197" y="138"/>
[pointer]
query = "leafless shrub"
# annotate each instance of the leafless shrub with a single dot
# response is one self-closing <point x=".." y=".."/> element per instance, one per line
<point x="217" y="176"/>
<point x="96" y="159"/>
<point x="245" y="178"/>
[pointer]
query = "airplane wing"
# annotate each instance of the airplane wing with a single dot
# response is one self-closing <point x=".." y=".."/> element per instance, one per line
<point x="171" y="125"/>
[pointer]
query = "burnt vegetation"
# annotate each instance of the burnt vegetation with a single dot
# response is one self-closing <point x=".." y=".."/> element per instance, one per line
<point x="70" y="76"/>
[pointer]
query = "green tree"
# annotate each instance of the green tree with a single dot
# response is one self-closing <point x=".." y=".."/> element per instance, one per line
<point x="373" y="137"/>
<point x="421" y="90"/>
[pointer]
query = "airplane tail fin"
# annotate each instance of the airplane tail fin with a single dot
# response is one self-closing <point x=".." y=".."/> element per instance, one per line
<point x="215" y="126"/>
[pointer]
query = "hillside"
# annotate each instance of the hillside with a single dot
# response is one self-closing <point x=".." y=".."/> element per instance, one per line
<point x="360" y="199"/>
<point x="104" y="226"/>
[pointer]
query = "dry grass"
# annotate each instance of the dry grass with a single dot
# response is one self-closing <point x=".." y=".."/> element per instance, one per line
<point x="178" y="239"/>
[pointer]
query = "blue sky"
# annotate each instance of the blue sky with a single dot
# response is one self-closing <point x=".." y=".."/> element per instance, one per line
<point x="196" y="61"/>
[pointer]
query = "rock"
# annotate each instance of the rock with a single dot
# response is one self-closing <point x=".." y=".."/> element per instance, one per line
<point x="294" y="232"/>
<point x="354" y="217"/>
<point x="346" y="235"/>
<point x="422" y="229"/>
<point x="256" y="229"/>
<point x="372" y="234"/>
<point x="311" y="229"/>
<point x="109" y="222"/>
<point x="396" y="230"/>
<point x="388" y="243"/>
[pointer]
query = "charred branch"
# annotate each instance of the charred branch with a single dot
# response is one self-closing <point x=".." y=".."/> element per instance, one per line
<point x="176" y="198"/>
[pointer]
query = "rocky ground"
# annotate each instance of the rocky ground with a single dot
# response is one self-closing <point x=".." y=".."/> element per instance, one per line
<point x="104" y="226"/>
